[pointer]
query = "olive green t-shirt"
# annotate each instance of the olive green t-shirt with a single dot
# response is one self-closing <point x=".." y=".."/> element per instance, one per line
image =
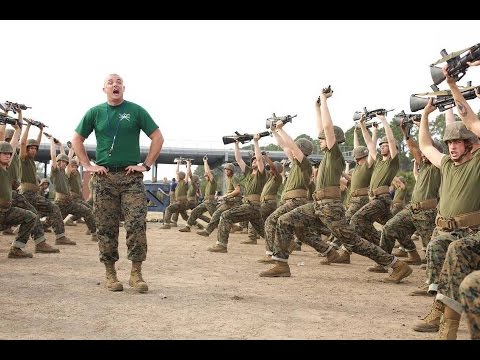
<point x="211" y="187"/>
<point x="459" y="189"/>
<point x="427" y="184"/>
<point x="272" y="185"/>
<point x="29" y="171"/>
<point x="399" y="194"/>
<point x="299" y="176"/>
<point x="5" y="185"/>
<point x="254" y="182"/>
<point x="60" y="181"/>
<point x="311" y="190"/>
<point x="122" y="122"/>
<point x="330" y="168"/>
<point x="192" y="190"/>
<point x="75" y="183"/>
<point x="14" y="168"/>
<point x="361" y="176"/>
<point x="231" y="184"/>
<point x="181" y="189"/>
<point x="384" y="171"/>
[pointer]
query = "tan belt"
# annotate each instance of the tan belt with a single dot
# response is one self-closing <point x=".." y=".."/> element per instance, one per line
<point x="268" y="197"/>
<point x="252" y="197"/>
<point x="360" y="192"/>
<point x="29" y="187"/>
<point x="401" y="202"/>
<point x="181" y="198"/>
<point x="4" y="204"/>
<point x="425" y="204"/>
<point x="460" y="221"/>
<point x="330" y="192"/>
<point x="190" y="198"/>
<point x="60" y="196"/>
<point x="381" y="190"/>
<point x="294" y="194"/>
<point x="210" y="197"/>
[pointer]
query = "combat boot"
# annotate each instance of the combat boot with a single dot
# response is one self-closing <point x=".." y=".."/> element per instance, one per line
<point x="203" y="233"/>
<point x="217" y="248"/>
<point x="250" y="241"/>
<point x="8" y="231"/>
<point x="136" y="281"/>
<point x="17" y="253"/>
<point x="165" y="226"/>
<point x="64" y="241"/>
<point x="173" y="224"/>
<point x="448" y="329"/>
<point x="68" y="221"/>
<point x="94" y="237"/>
<point x="267" y="259"/>
<point x="200" y="226"/>
<point x="111" y="281"/>
<point x="235" y="228"/>
<point x="185" y="229"/>
<point x="413" y="258"/>
<point x="377" y="268"/>
<point x="331" y="257"/>
<point x="400" y="271"/>
<point x="399" y="253"/>
<point x="80" y="221"/>
<point x="294" y="246"/>
<point x="431" y="322"/>
<point x="281" y="269"/>
<point x="43" y="247"/>
<point x="421" y="291"/>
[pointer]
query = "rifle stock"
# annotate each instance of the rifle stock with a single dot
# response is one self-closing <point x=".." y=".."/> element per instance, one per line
<point x="242" y="138"/>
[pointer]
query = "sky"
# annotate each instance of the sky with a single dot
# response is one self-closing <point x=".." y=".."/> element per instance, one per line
<point x="202" y="79"/>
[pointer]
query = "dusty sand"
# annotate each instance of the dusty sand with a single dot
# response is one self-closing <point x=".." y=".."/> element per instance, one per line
<point x="195" y="294"/>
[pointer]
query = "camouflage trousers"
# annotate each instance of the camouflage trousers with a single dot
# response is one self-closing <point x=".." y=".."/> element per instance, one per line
<point x="178" y="207"/>
<point x="355" y="204"/>
<point x="462" y="258"/>
<point x="19" y="201"/>
<point x="80" y="200"/>
<point x="309" y="229"/>
<point x="249" y="211"/>
<point x="377" y="210"/>
<point x="224" y="206"/>
<point x="47" y="208"/>
<point x="78" y="210"/>
<point x="266" y="208"/>
<point x="395" y="208"/>
<point x="332" y="214"/>
<point x="402" y="226"/>
<point x="113" y="192"/>
<point x="437" y="250"/>
<point x="198" y="211"/>
<point x="470" y="298"/>
<point x="14" y="216"/>
<point x="272" y="221"/>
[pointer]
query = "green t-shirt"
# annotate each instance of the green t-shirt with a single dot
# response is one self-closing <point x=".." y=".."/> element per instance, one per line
<point x="459" y="187"/>
<point x="60" y="181"/>
<point x="330" y="168"/>
<point x="299" y="176"/>
<point x="272" y="185"/>
<point x="29" y="171"/>
<point x="14" y="170"/>
<point x="427" y="184"/>
<point x="192" y="190"/>
<point x="399" y="194"/>
<point x="75" y="182"/>
<point x="5" y="185"/>
<point x="254" y="182"/>
<point x="384" y="171"/>
<point x="181" y="189"/>
<point x="211" y="187"/>
<point x="125" y="120"/>
<point x="361" y="176"/>
<point x="232" y="183"/>
<point x="311" y="190"/>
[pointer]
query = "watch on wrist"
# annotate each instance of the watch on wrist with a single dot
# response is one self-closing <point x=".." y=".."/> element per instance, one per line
<point x="146" y="166"/>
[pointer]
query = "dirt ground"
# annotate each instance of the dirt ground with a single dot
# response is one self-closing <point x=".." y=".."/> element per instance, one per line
<point x="195" y="294"/>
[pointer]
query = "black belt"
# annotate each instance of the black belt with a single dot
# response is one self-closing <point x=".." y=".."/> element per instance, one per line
<point x="116" y="168"/>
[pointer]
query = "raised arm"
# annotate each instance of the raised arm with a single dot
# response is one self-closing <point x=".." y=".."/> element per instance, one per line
<point x="326" y="119"/>
<point x="40" y="133"/>
<point x="425" y="139"/>
<point x="15" y="139"/>
<point x="289" y="144"/>
<point x="415" y="169"/>
<point x="189" y="169"/>
<point x="372" y="146"/>
<point x="281" y="143"/>
<point x="258" y="154"/>
<point x="449" y="116"/>
<point x="23" y="142"/>
<point x="206" y="168"/>
<point x="412" y="145"/>
<point x="356" y="143"/>
<point x="53" y="153"/>
<point x="270" y="163"/>
<point x="238" y="157"/>
<point x="392" y="143"/>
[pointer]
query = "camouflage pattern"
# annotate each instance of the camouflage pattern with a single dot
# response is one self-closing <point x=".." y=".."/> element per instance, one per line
<point x="78" y="210"/>
<point x="377" y="210"/>
<point x="402" y="226"/>
<point x="19" y="201"/>
<point x="462" y="258"/>
<point x="272" y="219"/>
<point x="355" y="204"/>
<point x="116" y="191"/>
<point x="205" y="206"/>
<point x="266" y="208"/>
<point x="396" y="207"/>
<point x="332" y="214"/>
<point x="178" y="207"/>
<point x="14" y="216"/>
<point x="249" y="211"/>
<point x="224" y="206"/>
<point x="303" y="222"/>
<point x="470" y="298"/>
<point x="47" y="208"/>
